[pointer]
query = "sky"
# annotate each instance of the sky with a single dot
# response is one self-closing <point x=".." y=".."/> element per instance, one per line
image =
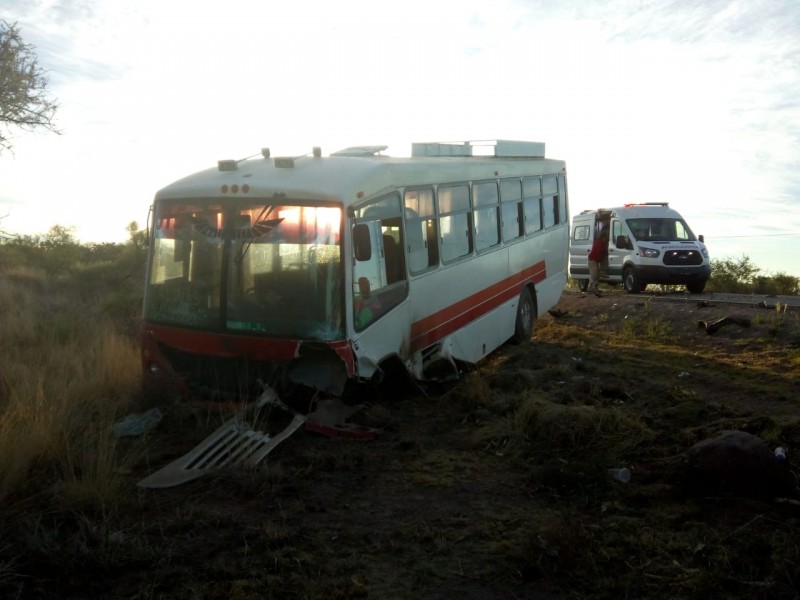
<point x="692" y="103"/>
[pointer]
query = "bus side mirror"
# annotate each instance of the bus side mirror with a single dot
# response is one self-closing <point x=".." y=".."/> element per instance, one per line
<point x="362" y="247"/>
<point x="701" y="238"/>
<point x="622" y="242"/>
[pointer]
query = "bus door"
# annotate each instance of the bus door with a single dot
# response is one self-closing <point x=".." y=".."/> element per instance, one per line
<point x="380" y="283"/>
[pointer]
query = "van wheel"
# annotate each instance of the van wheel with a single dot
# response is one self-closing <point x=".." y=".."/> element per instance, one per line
<point x="526" y="313"/>
<point x="631" y="281"/>
<point x="696" y="287"/>
<point x="583" y="284"/>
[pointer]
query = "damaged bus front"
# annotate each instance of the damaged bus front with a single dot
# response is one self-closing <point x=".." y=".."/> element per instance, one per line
<point x="244" y="292"/>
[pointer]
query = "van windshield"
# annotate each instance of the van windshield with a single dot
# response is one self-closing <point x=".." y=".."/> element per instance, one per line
<point x="660" y="230"/>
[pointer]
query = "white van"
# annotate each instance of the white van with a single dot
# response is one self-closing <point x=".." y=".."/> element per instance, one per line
<point x="647" y="243"/>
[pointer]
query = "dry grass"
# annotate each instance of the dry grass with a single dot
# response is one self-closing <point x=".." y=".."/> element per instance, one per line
<point x="66" y="378"/>
<point x="496" y="487"/>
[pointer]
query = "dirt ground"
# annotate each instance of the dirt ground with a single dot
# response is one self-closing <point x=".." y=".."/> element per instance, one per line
<point x="494" y="487"/>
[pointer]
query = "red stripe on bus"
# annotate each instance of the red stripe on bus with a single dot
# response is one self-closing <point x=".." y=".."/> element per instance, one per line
<point x="452" y="318"/>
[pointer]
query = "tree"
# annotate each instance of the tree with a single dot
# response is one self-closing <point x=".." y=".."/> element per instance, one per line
<point x="24" y="101"/>
<point x="734" y="276"/>
<point x="4" y="235"/>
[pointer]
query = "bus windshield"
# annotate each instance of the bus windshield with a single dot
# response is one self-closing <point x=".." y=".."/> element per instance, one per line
<point x="269" y="268"/>
<point x="660" y="230"/>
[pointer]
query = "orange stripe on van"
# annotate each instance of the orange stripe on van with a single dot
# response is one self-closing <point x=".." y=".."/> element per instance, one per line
<point x="452" y="318"/>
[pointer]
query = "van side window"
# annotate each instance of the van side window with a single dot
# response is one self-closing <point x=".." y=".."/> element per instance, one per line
<point x="617" y="231"/>
<point x="512" y="217"/>
<point x="581" y="234"/>
<point x="532" y="201"/>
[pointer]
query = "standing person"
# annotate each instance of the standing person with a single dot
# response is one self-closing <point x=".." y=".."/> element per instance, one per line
<point x="596" y="256"/>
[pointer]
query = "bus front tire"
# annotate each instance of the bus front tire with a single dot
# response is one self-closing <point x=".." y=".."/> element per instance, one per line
<point x="583" y="284"/>
<point x="526" y="313"/>
<point x="631" y="281"/>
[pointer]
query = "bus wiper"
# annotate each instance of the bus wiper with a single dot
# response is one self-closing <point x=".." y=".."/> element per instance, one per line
<point x="259" y="228"/>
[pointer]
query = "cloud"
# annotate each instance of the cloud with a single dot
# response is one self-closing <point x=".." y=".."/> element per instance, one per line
<point x="647" y="100"/>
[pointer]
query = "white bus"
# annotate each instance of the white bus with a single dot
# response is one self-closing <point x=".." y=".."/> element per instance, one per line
<point x="312" y="274"/>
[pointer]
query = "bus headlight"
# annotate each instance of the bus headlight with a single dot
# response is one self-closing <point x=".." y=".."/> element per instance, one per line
<point x="704" y="251"/>
<point x="649" y="252"/>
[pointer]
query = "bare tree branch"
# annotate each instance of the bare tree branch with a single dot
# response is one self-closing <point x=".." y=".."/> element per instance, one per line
<point x="24" y="101"/>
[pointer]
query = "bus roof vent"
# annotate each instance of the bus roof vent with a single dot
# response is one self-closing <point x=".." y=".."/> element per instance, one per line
<point x="441" y="149"/>
<point x="497" y="148"/>
<point x="227" y="165"/>
<point x="360" y="151"/>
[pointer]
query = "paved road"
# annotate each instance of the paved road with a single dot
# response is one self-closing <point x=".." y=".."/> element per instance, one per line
<point x="750" y="299"/>
<point x="758" y="299"/>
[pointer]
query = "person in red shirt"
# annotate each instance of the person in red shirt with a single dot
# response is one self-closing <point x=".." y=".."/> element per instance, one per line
<point x="597" y="254"/>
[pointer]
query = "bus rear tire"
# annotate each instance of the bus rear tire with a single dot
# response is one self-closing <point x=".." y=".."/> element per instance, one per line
<point x="583" y="284"/>
<point x="526" y="314"/>
<point x="696" y="287"/>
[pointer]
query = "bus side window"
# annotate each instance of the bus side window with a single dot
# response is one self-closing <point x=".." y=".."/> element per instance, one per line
<point x="415" y="238"/>
<point x="421" y="232"/>
<point x="511" y="213"/>
<point x="487" y="225"/>
<point x="532" y="202"/>
<point x="393" y="258"/>
<point x="550" y="200"/>
<point x="562" y="198"/>
<point x="455" y="222"/>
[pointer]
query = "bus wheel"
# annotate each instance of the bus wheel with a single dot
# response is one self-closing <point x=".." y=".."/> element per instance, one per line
<point x="631" y="281"/>
<point x="696" y="287"/>
<point x="526" y="313"/>
<point x="583" y="284"/>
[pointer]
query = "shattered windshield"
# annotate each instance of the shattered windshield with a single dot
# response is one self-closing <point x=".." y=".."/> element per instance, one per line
<point x="660" y="230"/>
<point x="269" y="268"/>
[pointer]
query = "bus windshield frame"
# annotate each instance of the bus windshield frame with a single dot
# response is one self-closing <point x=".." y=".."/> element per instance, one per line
<point x="268" y="267"/>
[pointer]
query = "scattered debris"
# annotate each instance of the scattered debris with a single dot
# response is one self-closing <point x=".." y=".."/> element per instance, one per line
<point x="736" y="462"/>
<point x="704" y="304"/>
<point x="235" y="442"/>
<point x="713" y="326"/>
<point x="333" y="412"/>
<point x="623" y="475"/>
<point x="346" y="430"/>
<point x="135" y="425"/>
<point x="558" y="313"/>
